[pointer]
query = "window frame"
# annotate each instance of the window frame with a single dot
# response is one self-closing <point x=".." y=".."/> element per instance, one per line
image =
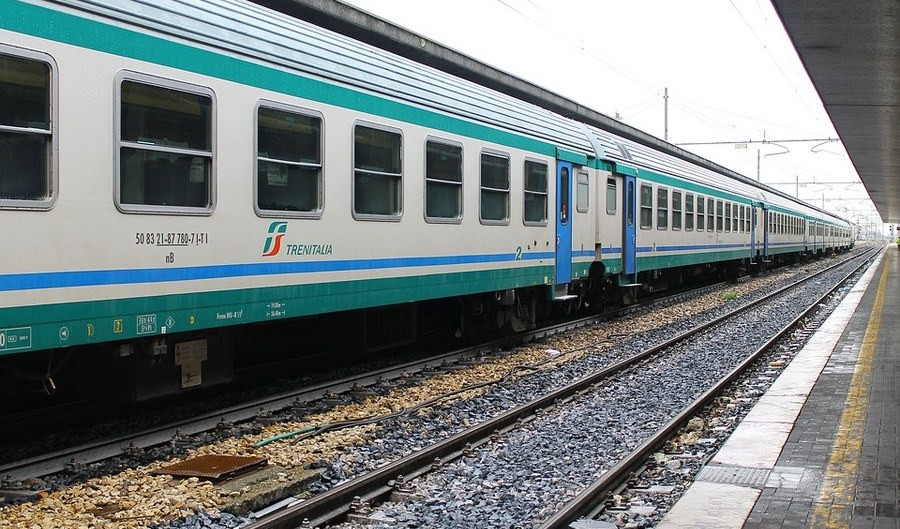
<point x="720" y="208"/>
<point x="525" y="191"/>
<point x="727" y="217"/>
<point x="734" y="218"/>
<point x="169" y="84"/>
<point x="462" y="182"/>
<point x="268" y="213"/>
<point x="587" y="191"/>
<point x="375" y="216"/>
<point x="689" y="212"/>
<point x="615" y="190"/>
<point x="664" y="210"/>
<point x="52" y="178"/>
<point x="700" y="221"/>
<point x="481" y="188"/>
<point x="710" y="214"/>
<point x="642" y="207"/>
<point x="677" y="213"/>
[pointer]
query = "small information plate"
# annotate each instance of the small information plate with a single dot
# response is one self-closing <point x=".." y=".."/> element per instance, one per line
<point x="15" y="339"/>
<point x="146" y="324"/>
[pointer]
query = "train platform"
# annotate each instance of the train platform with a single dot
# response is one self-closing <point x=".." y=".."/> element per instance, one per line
<point x="820" y="448"/>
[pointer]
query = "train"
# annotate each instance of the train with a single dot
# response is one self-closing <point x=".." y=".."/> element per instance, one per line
<point x="183" y="180"/>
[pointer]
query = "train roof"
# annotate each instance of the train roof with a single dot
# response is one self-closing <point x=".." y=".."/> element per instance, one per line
<point x="257" y="32"/>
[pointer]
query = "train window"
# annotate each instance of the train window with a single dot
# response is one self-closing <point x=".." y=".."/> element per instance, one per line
<point x="584" y="193"/>
<point x="165" y="146"/>
<point x="710" y="214"/>
<point x="27" y="125"/>
<point x="676" y="210"/>
<point x="739" y="212"/>
<point x="535" y="193"/>
<point x="662" y="208"/>
<point x="494" y="188"/>
<point x="688" y="212"/>
<point x="719" y="224"/>
<point x="727" y="217"/>
<point x="288" y="162"/>
<point x="377" y="173"/>
<point x="629" y="205"/>
<point x="734" y="218"/>
<point x="701" y="213"/>
<point x="611" y="196"/>
<point x="443" y="181"/>
<point x="646" y="207"/>
<point x="563" y="187"/>
<point x="747" y="219"/>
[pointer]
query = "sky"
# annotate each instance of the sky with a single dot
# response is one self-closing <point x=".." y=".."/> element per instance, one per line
<point x="731" y="72"/>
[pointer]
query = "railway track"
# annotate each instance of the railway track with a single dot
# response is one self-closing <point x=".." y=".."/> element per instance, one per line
<point x="91" y="452"/>
<point x="351" y="497"/>
<point x="667" y="316"/>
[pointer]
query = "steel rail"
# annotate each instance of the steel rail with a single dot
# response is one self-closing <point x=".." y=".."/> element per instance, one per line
<point x="334" y="504"/>
<point x="619" y="474"/>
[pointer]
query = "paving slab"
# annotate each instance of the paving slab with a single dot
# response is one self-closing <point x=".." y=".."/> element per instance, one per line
<point x="820" y="448"/>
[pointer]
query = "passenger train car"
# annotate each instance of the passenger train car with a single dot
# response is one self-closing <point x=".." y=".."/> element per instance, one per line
<point x="178" y="174"/>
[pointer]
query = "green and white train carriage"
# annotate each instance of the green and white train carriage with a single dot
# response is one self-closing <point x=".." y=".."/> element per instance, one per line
<point x="174" y="171"/>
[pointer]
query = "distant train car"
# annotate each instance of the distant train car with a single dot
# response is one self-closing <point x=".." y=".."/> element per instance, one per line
<point x="176" y="175"/>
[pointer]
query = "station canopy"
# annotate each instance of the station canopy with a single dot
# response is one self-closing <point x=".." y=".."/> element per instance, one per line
<point x="851" y="51"/>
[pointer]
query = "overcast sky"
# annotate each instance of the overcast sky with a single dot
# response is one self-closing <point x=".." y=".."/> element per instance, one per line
<point x="731" y="72"/>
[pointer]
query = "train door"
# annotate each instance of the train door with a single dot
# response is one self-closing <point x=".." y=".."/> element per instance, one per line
<point x="753" y="217"/>
<point x="629" y="238"/>
<point x="805" y="224"/>
<point x="765" y="228"/>
<point x="563" y="223"/>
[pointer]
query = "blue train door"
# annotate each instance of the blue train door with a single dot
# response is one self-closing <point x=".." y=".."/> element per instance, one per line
<point x="629" y="238"/>
<point x="563" y="223"/>
<point x="753" y="216"/>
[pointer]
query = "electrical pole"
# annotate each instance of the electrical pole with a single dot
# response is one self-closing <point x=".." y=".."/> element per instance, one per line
<point x="666" y="114"/>
<point x="757" y="156"/>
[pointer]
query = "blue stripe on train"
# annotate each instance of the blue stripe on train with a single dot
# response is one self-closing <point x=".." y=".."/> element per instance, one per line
<point x="82" y="278"/>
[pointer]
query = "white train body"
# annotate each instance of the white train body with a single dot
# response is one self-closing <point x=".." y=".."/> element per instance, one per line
<point x="94" y="260"/>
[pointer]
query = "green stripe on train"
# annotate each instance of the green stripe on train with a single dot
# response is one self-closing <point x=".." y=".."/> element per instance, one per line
<point x="79" y="323"/>
<point x="654" y="262"/>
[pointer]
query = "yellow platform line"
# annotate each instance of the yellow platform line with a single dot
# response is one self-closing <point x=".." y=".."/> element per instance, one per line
<point x="835" y="503"/>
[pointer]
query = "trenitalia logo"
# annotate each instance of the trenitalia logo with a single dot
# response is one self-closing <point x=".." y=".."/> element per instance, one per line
<point x="273" y="241"/>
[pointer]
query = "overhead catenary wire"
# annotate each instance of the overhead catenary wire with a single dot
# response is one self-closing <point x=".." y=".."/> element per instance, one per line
<point x="580" y="47"/>
<point x="772" y="58"/>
